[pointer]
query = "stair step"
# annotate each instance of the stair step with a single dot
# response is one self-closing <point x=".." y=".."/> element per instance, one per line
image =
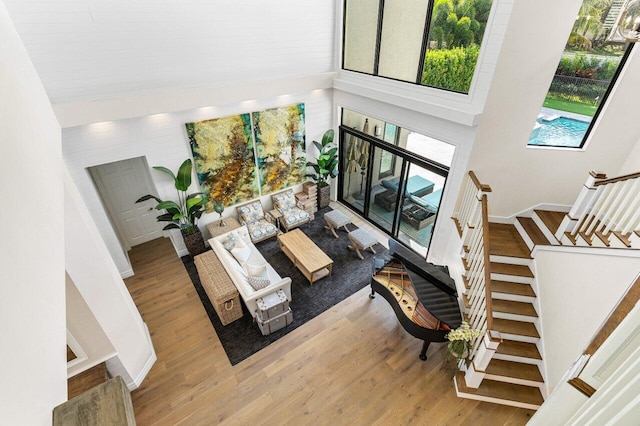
<point x="515" y="370"/>
<point x="86" y="380"/>
<point x="520" y="349"/>
<point x="505" y="240"/>
<point x="520" y="328"/>
<point x="507" y="287"/>
<point x="494" y="391"/>
<point x="516" y="308"/>
<point x="509" y="269"/>
<point x="623" y="237"/>
<point x="551" y="219"/>
<point x="533" y="231"/>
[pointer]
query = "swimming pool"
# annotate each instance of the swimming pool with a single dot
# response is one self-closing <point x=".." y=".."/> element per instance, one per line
<point x="562" y="131"/>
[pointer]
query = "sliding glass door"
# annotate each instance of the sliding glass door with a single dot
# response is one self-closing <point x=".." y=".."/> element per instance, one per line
<point x="390" y="185"/>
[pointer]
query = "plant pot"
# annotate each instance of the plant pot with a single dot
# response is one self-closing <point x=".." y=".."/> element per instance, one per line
<point x="324" y="196"/>
<point x="194" y="242"/>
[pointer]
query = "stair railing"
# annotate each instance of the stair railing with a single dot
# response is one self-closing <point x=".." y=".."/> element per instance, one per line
<point x="604" y="206"/>
<point x="473" y="217"/>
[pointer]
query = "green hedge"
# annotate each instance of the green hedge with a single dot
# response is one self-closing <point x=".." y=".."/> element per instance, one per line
<point x="594" y="67"/>
<point x="450" y="68"/>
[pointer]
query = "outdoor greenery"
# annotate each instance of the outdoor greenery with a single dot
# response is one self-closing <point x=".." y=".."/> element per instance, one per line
<point x="556" y="102"/>
<point x="451" y="69"/>
<point x="457" y="27"/>
<point x="593" y="67"/>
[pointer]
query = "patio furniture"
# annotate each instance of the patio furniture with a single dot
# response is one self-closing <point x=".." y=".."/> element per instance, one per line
<point x="336" y="219"/>
<point x="416" y="185"/>
<point x="387" y="199"/>
<point x="361" y="240"/>
<point x="292" y="215"/>
<point x="430" y="201"/>
<point x="252" y="215"/>
<point x="418" y="216"/>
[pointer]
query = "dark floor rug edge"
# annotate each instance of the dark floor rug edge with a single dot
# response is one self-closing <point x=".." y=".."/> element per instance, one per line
<point x="242" y="338"/>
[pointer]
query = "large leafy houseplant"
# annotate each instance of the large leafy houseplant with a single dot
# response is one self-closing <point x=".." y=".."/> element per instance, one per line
<point x="325" y="167"/>
<point x="184" y="213"/>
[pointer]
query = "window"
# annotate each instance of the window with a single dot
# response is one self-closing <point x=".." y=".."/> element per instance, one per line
<point x="429" y="42"/>
<point x="585" y="75"/>
<point x="403" y="201"/>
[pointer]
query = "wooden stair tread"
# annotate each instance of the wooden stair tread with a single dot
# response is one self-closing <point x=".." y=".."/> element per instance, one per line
<point x="86" y="380"/>
<point x="505" y="240"/>
<point x="510" y="269"/>
<point x="551" y="219"/>
<point x="533" y="231"/>
<point x="516" y="370"/>
<point x="512" y="288"/>
<point x="520" y="349"/>
<point x="501" y="390"/>
<point x="511" y="307"/>
<point x="520" y="328"/>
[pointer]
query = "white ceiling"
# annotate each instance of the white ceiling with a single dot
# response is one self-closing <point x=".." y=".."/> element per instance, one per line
<point x="87" y="50"/>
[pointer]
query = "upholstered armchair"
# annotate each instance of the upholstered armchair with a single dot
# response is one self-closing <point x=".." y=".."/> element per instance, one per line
<point x="252" y="215"/>
<point x="292" y="215"/>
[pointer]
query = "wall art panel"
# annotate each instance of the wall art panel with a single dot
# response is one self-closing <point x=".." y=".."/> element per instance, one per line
<point x="280" y="147"/>
<point x="225" y="160"/>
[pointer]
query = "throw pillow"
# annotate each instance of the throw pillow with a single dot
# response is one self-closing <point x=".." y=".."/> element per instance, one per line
<point x="257" y="270"/>
<point x="241" y="253"/>
<point x="258" y="283"/>
<point x="231" y="241"/>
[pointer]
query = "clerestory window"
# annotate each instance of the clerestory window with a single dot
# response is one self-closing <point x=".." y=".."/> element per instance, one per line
<point x="434" y="43"/>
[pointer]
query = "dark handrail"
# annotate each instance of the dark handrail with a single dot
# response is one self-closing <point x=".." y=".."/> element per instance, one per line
<point x="482" y="187"/>
<point x="617" y="179"/>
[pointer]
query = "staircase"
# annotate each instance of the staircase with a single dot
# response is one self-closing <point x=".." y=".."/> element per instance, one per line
<point x="514" y="373"/>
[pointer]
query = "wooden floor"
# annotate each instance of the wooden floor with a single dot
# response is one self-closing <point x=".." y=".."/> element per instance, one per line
<point x="353" y="364"/>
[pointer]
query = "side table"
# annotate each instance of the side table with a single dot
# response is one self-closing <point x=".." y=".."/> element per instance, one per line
<point x="215" y="229"/>
<point x="276" y="215"/>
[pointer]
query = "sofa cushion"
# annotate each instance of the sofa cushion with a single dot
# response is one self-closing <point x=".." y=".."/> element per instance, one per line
<point x="251" y="212"/>
<point x="231" y="241"/>
<point x="241" y="252"/>
<point x="260" y="229"/>
<point x="256" y="270"/>
<point x="284" y="201"/>
<point x="258" y="283"/>
<point x="295" y="216"/>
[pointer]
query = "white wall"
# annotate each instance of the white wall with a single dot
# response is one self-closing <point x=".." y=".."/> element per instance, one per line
<point x="162" y="139"/>
<point x="89" y="265"/>
<point x="32" y="289"/>
<point x="86" y="331"/>
<point x="632" y="165"/>
<point x="576" y="292"/>
<point x="520" y="176"/>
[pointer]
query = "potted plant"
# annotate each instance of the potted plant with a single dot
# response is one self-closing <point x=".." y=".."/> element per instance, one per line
<point x="459" y="347"/>
<point x="184" y="213"/>
<point x="325" y="167"/>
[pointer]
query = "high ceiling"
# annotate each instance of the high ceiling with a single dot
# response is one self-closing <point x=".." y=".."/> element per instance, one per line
<point x="87" y="50"/>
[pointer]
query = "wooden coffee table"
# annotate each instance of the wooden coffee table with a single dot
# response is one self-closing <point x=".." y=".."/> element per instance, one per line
<point x="305" y="255"/>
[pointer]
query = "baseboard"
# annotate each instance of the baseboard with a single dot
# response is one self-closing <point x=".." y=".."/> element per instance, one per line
<point x="126" y="274"/>
<point x="137" y="381"/>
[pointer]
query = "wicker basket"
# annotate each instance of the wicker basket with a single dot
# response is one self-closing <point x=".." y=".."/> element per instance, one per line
<point x="219" y="288"/>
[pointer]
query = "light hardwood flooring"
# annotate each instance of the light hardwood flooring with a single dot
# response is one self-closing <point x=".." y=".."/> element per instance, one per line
<point x="353" y="364"/>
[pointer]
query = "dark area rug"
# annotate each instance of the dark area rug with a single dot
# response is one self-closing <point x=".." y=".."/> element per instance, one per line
<point x="242" y="338"/>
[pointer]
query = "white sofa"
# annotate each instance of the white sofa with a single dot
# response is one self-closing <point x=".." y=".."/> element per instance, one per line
<point x="239" y="276"/>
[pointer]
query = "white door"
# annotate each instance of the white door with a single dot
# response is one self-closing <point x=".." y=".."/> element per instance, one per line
<point x="121" y="184"/>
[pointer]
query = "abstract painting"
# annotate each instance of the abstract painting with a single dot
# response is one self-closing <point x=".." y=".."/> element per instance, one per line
<point x="225" y="160"/>
<point x="280" y="147"/>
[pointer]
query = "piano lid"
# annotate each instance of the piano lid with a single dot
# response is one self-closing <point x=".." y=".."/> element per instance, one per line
<point x="428" y="281"/>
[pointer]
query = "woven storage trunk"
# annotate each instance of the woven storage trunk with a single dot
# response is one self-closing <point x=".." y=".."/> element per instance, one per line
<point x="219" y="287"/>
<point x="271" y="305"/>
<point x="275" y="323"/>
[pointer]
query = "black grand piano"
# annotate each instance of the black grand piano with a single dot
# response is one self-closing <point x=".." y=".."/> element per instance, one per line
<point x="422" y="295"/>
